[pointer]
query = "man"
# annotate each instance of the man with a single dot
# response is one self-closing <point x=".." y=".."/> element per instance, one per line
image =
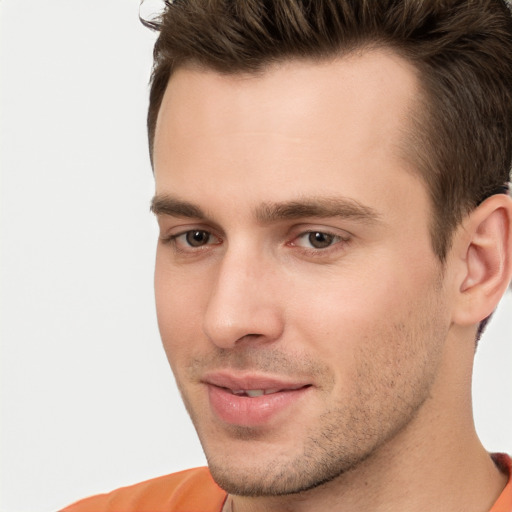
<point x="335" y="231"/>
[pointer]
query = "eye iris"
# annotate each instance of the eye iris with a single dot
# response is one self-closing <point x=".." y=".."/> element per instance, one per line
<point x="197" y="238"/>
<point x="320" y="240"/>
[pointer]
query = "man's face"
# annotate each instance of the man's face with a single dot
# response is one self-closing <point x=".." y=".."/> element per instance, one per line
<point x="298" y="297"/>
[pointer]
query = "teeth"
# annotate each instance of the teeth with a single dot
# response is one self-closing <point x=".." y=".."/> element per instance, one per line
<point x="254" y="392"/>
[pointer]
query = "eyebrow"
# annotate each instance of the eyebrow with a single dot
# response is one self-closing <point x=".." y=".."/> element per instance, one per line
<point x="320" y="207"/>
<point x="268" y="212"/>
<point x="168" y="205"/>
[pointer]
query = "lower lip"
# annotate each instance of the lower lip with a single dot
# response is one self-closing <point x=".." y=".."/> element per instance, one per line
<point x="251" y="411"/>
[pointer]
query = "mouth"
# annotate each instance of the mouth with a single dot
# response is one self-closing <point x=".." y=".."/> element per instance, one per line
<point x="252" y="393"/>
<point x="252" y="400"/>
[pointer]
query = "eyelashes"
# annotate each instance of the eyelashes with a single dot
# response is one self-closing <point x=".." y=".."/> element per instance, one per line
<point x="196" y="238"/>
<point x="319" y="240"/>
<point x="191" y="241"/>
<point x="312" y="243"/>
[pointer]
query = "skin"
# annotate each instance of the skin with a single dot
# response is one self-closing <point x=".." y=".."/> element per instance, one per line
<point x="377" y="327"/>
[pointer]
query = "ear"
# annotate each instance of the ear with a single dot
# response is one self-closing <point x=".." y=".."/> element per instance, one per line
<point x="484" y="247"/>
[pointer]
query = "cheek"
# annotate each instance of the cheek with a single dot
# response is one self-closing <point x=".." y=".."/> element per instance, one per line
<point x="376" y="316"/>
<point x="180" y="299"/>
<point x="349" y="304"/>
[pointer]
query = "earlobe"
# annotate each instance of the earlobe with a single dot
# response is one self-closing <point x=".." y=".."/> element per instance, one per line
<point x="487" y="259"/>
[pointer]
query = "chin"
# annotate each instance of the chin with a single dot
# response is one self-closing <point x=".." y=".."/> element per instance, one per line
<point x="275" y="477"/>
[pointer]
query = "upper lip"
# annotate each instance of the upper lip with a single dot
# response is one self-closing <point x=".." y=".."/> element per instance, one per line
<point x="235" y="381"/>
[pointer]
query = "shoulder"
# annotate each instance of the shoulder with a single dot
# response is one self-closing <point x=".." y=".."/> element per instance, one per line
<point x="192" y="490"/>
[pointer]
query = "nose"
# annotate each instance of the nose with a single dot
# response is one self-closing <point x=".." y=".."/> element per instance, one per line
<point x="244" y="304"/>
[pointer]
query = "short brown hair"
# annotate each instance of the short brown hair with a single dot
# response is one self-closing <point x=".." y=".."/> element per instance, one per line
<point x="462" y="140"/>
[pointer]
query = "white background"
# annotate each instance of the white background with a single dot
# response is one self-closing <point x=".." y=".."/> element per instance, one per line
<point x="88" y="402"/>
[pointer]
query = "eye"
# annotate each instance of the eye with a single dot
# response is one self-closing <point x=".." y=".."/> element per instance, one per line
<point x="196" y="238"/>
<point x="320" y="240"/>
<point x="317" y="240"/>
<point x="192" y="239"/>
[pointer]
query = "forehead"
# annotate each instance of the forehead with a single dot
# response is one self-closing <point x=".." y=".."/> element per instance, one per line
<point x="297" y="125"/>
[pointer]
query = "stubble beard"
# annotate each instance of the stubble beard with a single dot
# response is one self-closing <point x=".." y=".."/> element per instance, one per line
<point x="394" y="385"/>
<point x="342" y="443"/>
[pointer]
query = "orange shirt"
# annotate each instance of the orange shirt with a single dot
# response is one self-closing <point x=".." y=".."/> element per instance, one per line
<point x="194" y="490"/>
<point x="504" y="503"/>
